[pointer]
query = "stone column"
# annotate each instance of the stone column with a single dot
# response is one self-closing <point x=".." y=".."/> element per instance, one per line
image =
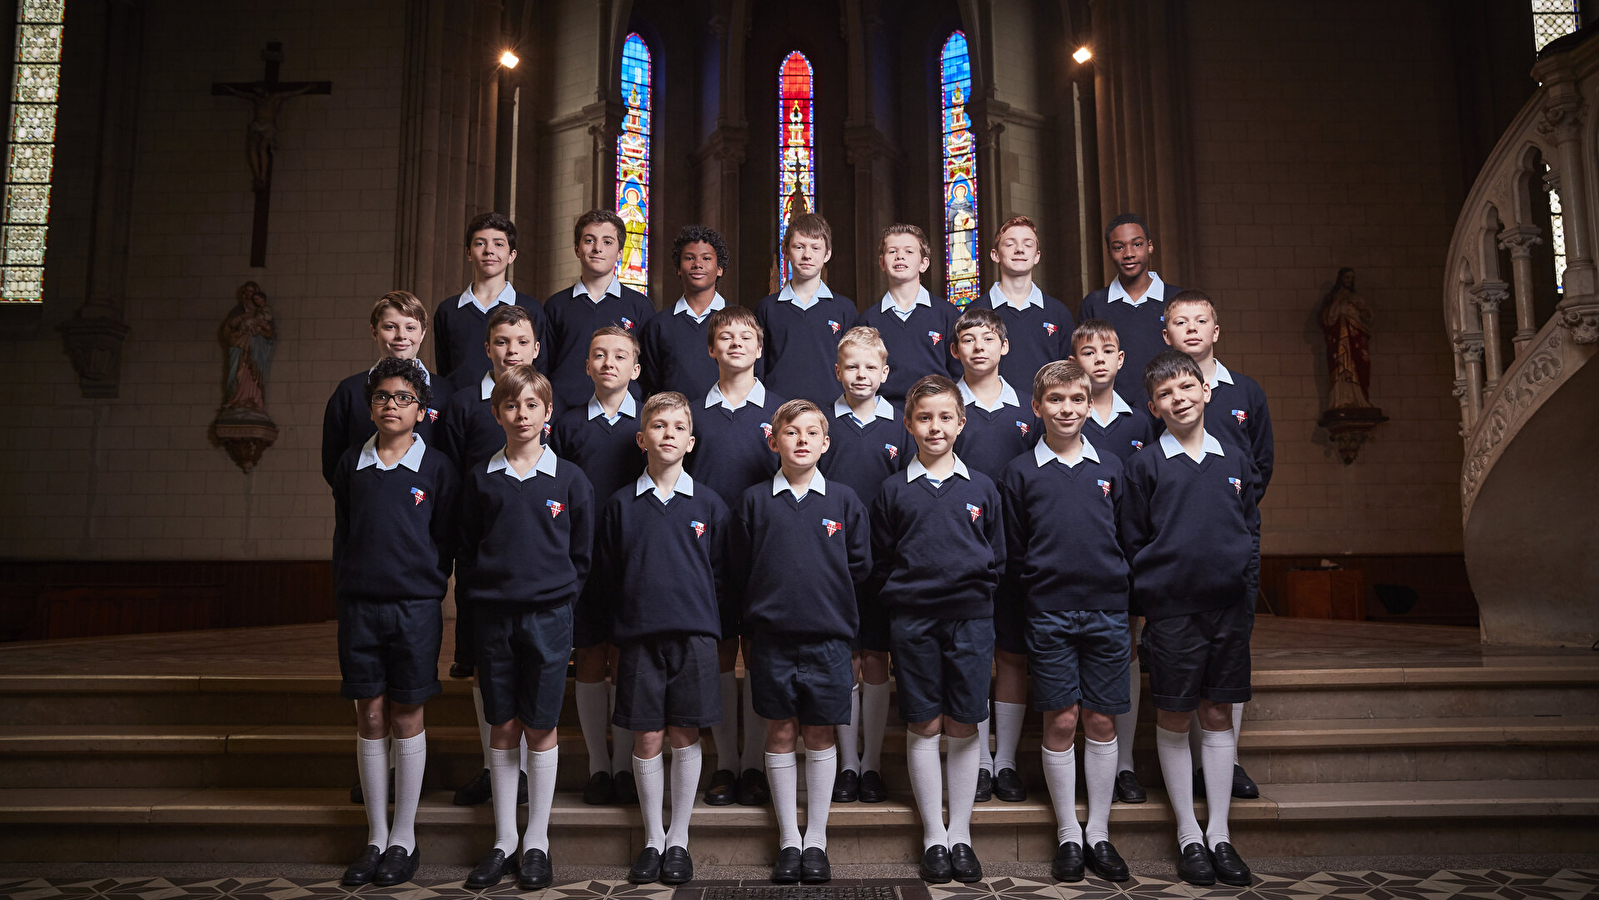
<point x="1519" y="240"/>
<point x="1470" y="349"/>
<point x="1488" y="296"/>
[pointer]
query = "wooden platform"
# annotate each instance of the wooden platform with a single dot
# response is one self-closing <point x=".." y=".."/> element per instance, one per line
<point x="234" y="745"/>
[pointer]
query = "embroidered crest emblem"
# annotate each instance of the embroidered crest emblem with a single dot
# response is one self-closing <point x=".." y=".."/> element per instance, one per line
<point x="974" y="510"/>
<point x="1241" y="416"/>
<point x="936" y="337"/>
<point x="1050" y="328"/>
<point x="893" y="451"/>
<point x="1137" y="445"/>
<point x="556" y="507"/>
<point x="1104" y="486"/>
<point x="832" y="526"/>
<point x="833" y="325"/>
<point x="433" y="414"/>
<point x="418" y="495"/>
<point x="1023" y="427"/>
<point x="766" y="429"/>
<point x="627" y="323"/>
<point x="545" y="434"/>
<point x="1238" y="486"/>
<point x="699" y="528"/>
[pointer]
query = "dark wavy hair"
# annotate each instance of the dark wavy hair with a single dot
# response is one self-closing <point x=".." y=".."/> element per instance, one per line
<point x="693" y="234"/>
<point x="390" y="367"/>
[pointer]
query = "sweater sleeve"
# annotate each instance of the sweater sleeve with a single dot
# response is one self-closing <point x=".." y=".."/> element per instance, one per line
<point x="1013" y="510"/>
<point x="604" y="581"/>
<point x="470" y="529"/>
<point x="882" y="542"/>
<point x="1252" y="521"/>
<point x="729" y="594"/>
<point x="582" y="535"/>
<point x="443" y="527"/>
<point x="334" y="429"/>
<point x="1132" y="515"/>
<point x="444" y="362"/>
<point x="996" y="536"/>
<point x="860" y="542"/>
<point x="1262" y="445"/>
<point x="541" y="327"/>
<point x="649" y="363"/>
<point x="340" y="481"/>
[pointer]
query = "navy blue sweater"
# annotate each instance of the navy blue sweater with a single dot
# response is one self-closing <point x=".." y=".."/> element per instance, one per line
<point x="799" y="560"/>
<point x="573" y="320"/>
<point x="1037" y="336"/>
<point x="937" y="552"/>
<point x="917" y="346"/>
<point x="677" y="357"/>
<point x="608" y="454"/>
<point x="991" y="440"/>
<point x="1060" y="530"/>
<point x="1191" y="531"/>
<point x="802" y="345"/>
<point x="1139" y="331"/>
<point x="730" y="446"/>
<point x="861" y="456"/>
<point x="394" y="532"/>
<point x="459" y="333"/>
<point x="1125" y="435"/>
<point x="530" y="541"/>
<point x="468" y="431"/>
<point x="1238" y="413"/>
<point x="347" y="420"/>
<point x="664" y="566"/>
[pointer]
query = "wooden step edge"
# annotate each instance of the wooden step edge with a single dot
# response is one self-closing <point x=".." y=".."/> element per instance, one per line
<point x="1561" y="673"/>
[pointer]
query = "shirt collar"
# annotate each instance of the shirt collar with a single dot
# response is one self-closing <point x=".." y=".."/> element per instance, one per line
<point x="780" y="484"/>
<point x="682" y="307"/>
<point x="485" y="388"/>
<point x="923" y="298"/>
<point x="787" y="293"/>
<point x="411" y="460"/>
<point x="1117" y="407"/>
<point x="917" y="470"/>
<point x="628" y="407"/>
<point x="644" y="484"/>
<point x="1170" y="446"/>
<point x="1156" y="292"/>
<point x="997" y="298"/>
<point x="614" y="289"/>
<point x="507" y="296"/>
<point x="1007" y="396"/>
<point x="1222" y="375"/>
<point x="883" y="409"/>
<point x="1042" y="454"/>
<point x="426" y="375"/>
<point x="757" y="396"/>
<point x="545" y="465"/>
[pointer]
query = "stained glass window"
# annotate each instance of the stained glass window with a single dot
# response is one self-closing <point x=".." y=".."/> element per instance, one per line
<point x="796" y="143"/>
<point x="1552" y="19"/>
<point x="633" y="164"/>
<point x="36" y="75"/>
<point x="960" y="173"/>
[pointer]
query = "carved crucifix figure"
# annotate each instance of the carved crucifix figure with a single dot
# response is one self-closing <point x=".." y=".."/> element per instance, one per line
<point x="266" y="100"/>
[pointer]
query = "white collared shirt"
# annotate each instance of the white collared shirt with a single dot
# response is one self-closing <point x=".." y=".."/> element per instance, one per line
<point x="1117" y="407"/>
<point x="923" y="298"/>
<point x="426" y="375"/>
<point x="917" y="470"/>
<point x="1007" y="396"/>
<point x="757" y="396"/>
<point x="1042" y="454"/>
<point x="997" y="298"/>
<point x="614" y="289"/>
<point x="485" y="388"/>
<point x="628" y="408"/>
<point x="882" y="410"/>
<point x="684" y="485"/>
<point x="1171" y="447"/>
<point x="1157" y="291"/>
<point x="682" y="307"/>
<point x="412" y="459"/>
<point x="545" y="465"/>
<point x="1222" y="375"/>
<point x="787" y="293"/>
<point x="507" y="296"/>
<point x="817" y="484"/>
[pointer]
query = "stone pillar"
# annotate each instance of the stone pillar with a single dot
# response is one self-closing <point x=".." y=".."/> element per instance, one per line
<point x="1519" y="240"/>
<point x="722" y="156"/>
<point x="1488" y="296"/>
<point x="1470" y="350"/>
<point x="873" y="157"/>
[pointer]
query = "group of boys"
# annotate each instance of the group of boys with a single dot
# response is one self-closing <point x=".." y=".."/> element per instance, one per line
<point x="923" y="517"/>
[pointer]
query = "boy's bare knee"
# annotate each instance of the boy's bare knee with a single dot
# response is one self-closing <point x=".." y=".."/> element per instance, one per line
<point x="1215" y="716"/>
<point x="405" y="719"/>
<point x="818" y="737"/>
<point x="1098" y="726"/>
<point x="1060" y="726"/>
<point x="506" y="735"/>
<point x="781" y="734"/>
<point x="647" y="744"/>
<point x="925" y="729"/>
<point x="1173" y="721"/>
<point x="958" y="729"/>
<point x="683" y="737"/>
<point x="541" y="739"/>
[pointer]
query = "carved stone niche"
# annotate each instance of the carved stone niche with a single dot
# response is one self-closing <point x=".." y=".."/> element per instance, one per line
<point x="244" y="441"/>
<point x="1350" y="427"/>
<point x="94" y="345"/>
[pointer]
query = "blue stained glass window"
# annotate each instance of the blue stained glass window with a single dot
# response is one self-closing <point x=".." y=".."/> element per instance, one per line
<point x="960" y="173"/>
<point x="796" y="144"/>
<point x="633" y="164"/>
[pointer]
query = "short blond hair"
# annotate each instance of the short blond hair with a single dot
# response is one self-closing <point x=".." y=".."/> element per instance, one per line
<point x="1193" y="296"/>
<point x="514" y="380"/>
<point x="792" y="410"/>
<point x="1015" y="222"/>
<point x="932" y="386"/>
<point x="1060" y="373"/>
<point x="902" y="228"/>
<point x="863" y="337"/>
<point x="402" y="302"/>
<point x="665" y="401"/>
<point x="616" y="331"/>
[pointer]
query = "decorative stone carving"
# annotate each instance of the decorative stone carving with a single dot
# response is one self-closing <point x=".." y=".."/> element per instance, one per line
<point x="1520" y="240"/>
<point x="1562" y="120"/>
<point x="94" y="344"/>
<point x="1525" y="385"/>
<point x="1582" y="322"/>
<point x="249" y="337"/>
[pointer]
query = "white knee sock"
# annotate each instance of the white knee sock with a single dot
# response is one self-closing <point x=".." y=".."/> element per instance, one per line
<point x="1127" y="722"/>
<point x="781" y="774"/>
<point x="754" y="756"/>
<point x="821" y="767"/>
<point x="1007" y="733"/>
<point x="874" y="720"/>
<point x="1060" y="774"/>
<point x="1178" y="770"/>
<point x="592" y="700"/>
<point x="962" y="767"/>
<point x="502" y="777"/>
<point x="848" y="734"/>
<point x="621" y="742"/>
<point x="650" y="777"/>
<point x="372" y="764"/>
<point x="411" y="759"/>
<point x="1238" y="727"/>
<point x="725" y="733"/>
<point x="1219" y="749"/>
<point x="685" y="784"/>
<point x="985" y="755"/>
<point x="1099" y="776"/>
<point x="540" y="797"/>
<point x="927" y="786"/>
<point x="482" y="726"/>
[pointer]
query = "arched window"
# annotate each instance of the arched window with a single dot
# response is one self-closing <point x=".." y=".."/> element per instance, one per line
<point x="960" y="173"/>
<point x="796" y="145"/>
<point x="633" y="164"/>
<point x="1553" y="19"/>
<point x="35" y="78"/>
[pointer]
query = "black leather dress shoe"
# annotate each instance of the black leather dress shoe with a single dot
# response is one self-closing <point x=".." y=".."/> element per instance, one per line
<point x="1107" y="863"/>
<point x="985" y="786"/>
<point x="1128" y="788"/>
<point x="753" y="789"/>
<point x="846" y="787"/>
<point x="647" y="868"/>
<point x="365" y="867"/>
<point x="1068" y="862"/>
<point x="814" y="868"/>
<point x="963" y="862"/>
<point x="1008" y="786"/>
<point x="1230" y="867"/>
<point x="458" y="670"/>
<point x="600" y="790"/>
<point x="723" y="790"/>
<point x="872" y="789"/>
<point x="491" y="869"/>
<point x="626" y="790"/>
<point x="397" y="866"/>
<point x="1193" y="865"/>
<point x="676" y="866"/>
<point x="536" y="873"/>
<point x="475" y="792"/>
<point x="358" y="796"/>
<point x="935" y="868"/>
<point x="787" y="868"/>
<point x="1244" y="787"/>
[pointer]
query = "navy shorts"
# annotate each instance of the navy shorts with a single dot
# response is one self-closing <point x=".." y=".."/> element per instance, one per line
<point x="1010" y="626"/>
<point x="1200" y="655"/>
<point x="390" y="648"/>
<point x="591" y="621"/>
<point x="522" y="656"/>
<point x="668" y="680"/>
<point x="1079" y="656"/>
<point x="806" y="679"/>
<point x="873" y="633"/>
<point x="942" y="667"/>
<point x="465" y="652"/>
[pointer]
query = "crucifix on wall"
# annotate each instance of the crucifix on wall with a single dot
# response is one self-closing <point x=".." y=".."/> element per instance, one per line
<point x="266" y="98"/>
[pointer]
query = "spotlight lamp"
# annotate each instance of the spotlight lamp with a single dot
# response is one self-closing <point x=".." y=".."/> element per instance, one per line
<point x="1082" y="55"/>
<point x="509" y="59"/>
